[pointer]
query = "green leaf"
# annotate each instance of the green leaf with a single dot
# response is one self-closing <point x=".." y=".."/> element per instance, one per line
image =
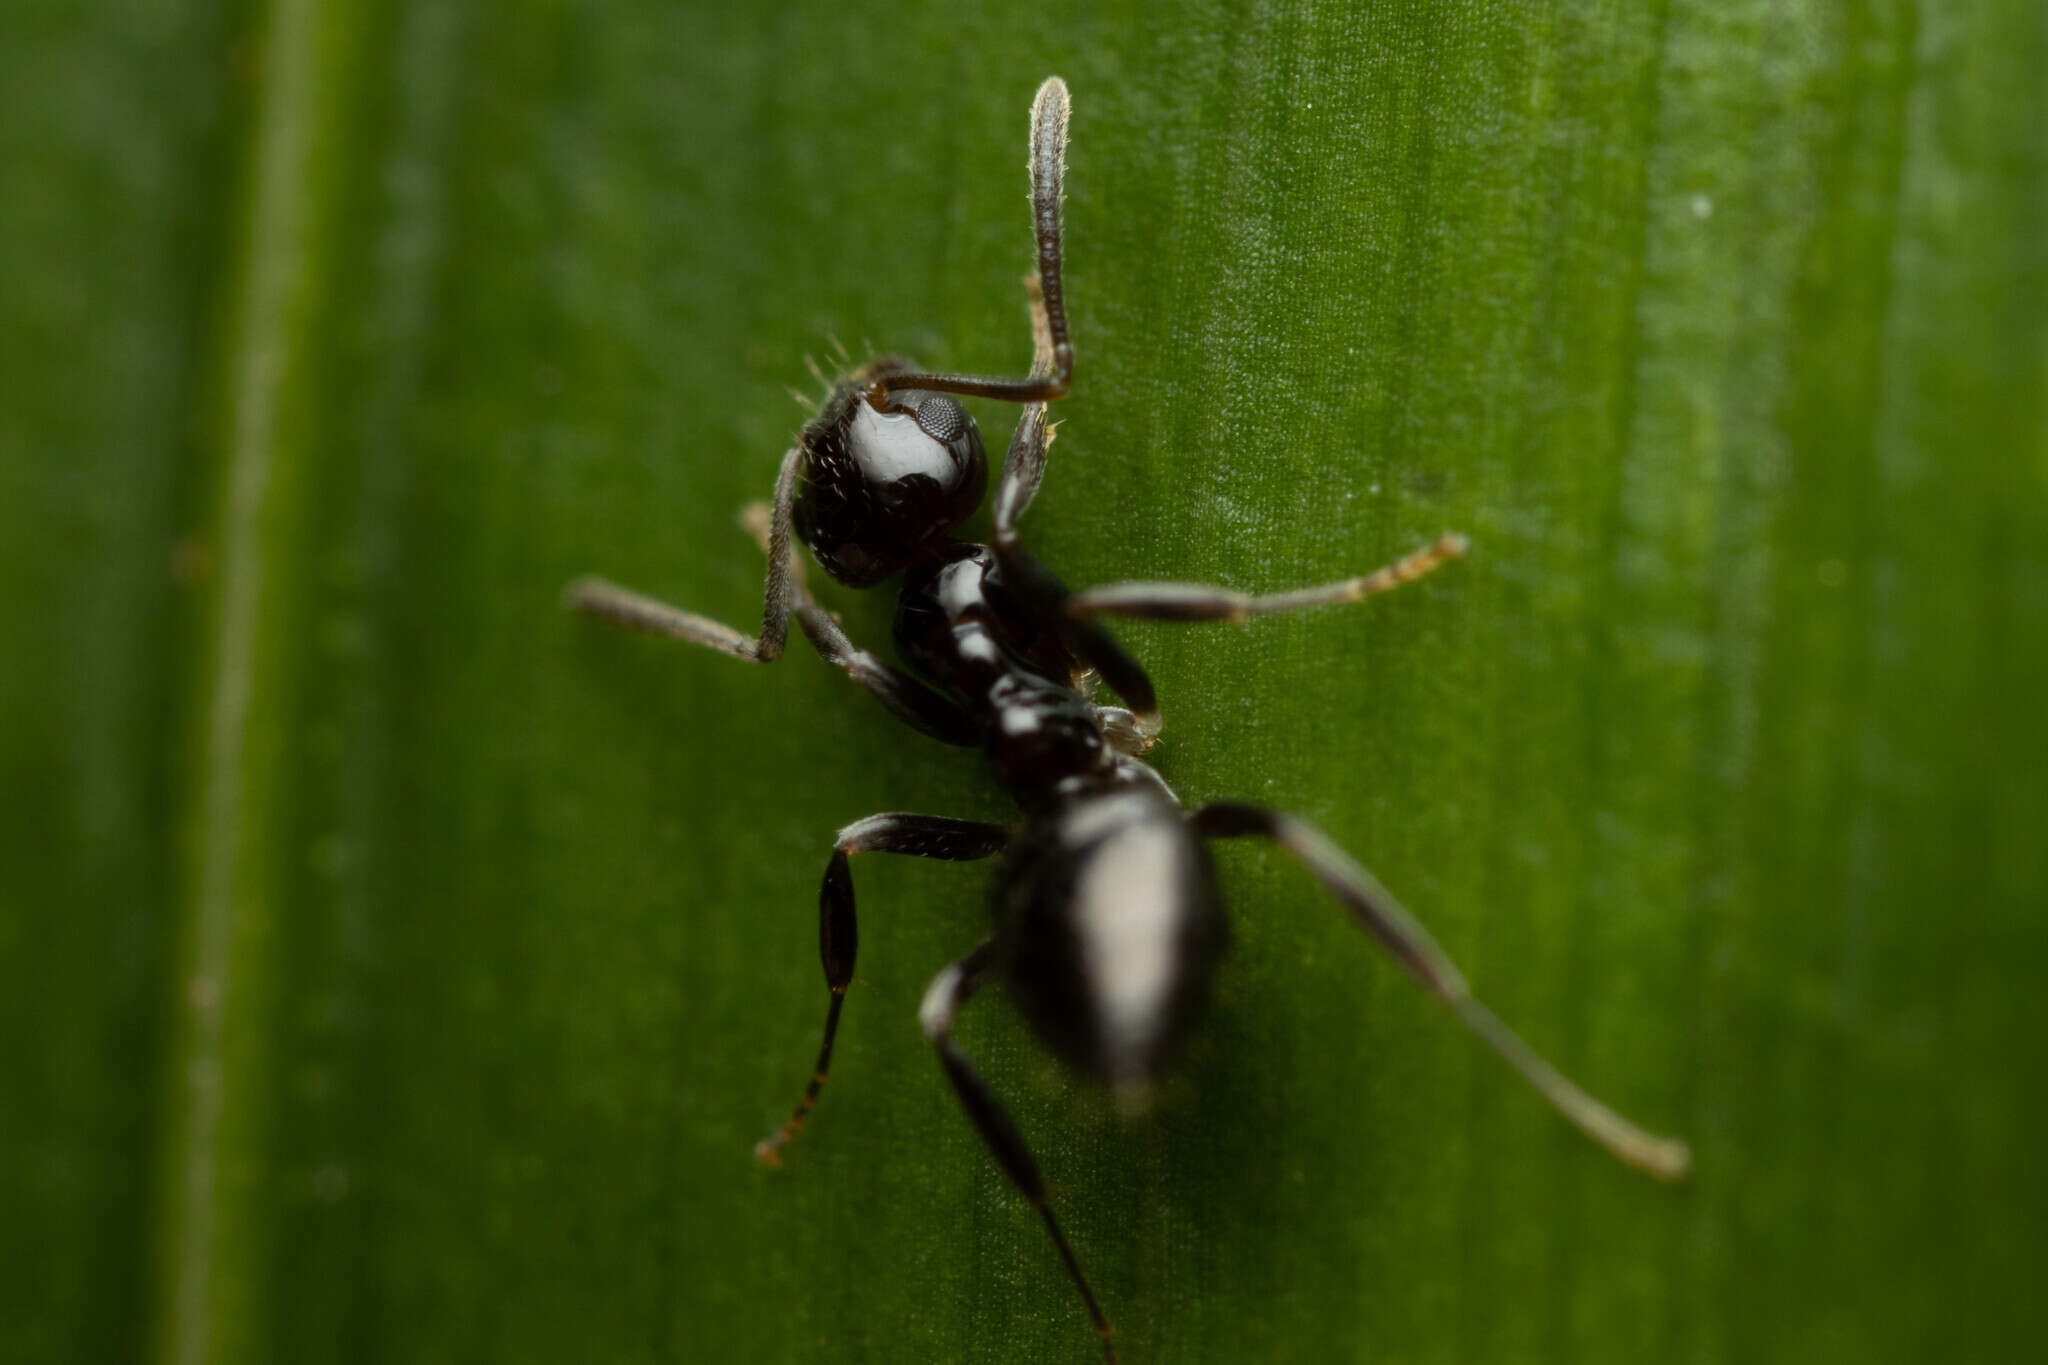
<point x="397" y="968"/>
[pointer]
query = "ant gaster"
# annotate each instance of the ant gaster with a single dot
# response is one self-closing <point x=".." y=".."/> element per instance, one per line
<point x="1107" y="922"/>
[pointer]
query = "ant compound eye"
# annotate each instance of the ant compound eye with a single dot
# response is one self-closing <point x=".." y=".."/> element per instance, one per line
<point x="881" y="486"/>
<point x="938" y="416"/>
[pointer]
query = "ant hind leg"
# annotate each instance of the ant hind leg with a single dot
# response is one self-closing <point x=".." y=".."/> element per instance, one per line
<point x="1398" y="931"/>
<point x="921" y="836"/>
<point x="949" y="990"/>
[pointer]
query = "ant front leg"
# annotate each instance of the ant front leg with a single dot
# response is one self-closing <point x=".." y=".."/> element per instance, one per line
<point x="1045" y="596"/>
<point x="1024" y="463"/>
<point x="1380" y="915"/>
<point x="949" y="990"/>
<point x="907" y="699"/>
<point x="1194" y="602"/>
<point x="920" y="836"/>
<point x="608" y="601"/>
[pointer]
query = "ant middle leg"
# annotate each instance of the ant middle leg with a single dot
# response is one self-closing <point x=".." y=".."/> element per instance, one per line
<point x="921" y="836"/>
<point x="1196" y="602"/>
<point x="1398" y="931"/>
<point x="949" y="990"/>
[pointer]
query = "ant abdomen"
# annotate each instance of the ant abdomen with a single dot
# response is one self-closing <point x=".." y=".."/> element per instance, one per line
<point x="1108" y="914"/>
<point x="886" y="476"/>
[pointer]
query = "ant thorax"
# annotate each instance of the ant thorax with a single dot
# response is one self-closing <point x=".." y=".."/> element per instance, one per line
<point x="958" y="624"/>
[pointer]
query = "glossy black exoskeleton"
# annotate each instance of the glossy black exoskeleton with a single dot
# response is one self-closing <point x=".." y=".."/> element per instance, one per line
<point x="884" y="481"/>
<point x="1107" y="923"/>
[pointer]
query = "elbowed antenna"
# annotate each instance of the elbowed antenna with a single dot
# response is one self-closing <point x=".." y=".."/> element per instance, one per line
<point x="1048" y="167"/>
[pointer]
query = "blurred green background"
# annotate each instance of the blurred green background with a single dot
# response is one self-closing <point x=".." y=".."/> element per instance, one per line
<point x="392" y="968"/>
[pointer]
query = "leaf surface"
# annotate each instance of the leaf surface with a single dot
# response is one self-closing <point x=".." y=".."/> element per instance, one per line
<point x="400" y="969"/>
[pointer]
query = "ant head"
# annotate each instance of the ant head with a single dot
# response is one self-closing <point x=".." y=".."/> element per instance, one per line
<point x="885" y="476"/>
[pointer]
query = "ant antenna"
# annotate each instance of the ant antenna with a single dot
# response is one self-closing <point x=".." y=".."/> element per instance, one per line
<point x="1048" y="168"/>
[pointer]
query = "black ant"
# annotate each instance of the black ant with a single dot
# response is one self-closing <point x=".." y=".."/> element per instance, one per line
<point x="1107" y="920"/>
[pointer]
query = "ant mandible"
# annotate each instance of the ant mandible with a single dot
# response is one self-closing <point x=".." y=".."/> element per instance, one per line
<point x="1107" y="922"/>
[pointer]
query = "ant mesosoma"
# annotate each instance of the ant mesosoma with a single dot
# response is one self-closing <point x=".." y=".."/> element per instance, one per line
<point x="1107" y="922"/>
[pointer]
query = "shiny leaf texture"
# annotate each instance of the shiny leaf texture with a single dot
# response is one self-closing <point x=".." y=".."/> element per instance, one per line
<point x="399" y="969"/>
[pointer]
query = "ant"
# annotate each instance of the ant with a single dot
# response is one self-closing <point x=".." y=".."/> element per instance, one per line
<point x="1107" y="922"/>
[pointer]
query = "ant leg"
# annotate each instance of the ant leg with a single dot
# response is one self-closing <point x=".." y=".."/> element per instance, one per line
<point x="1045" y="596"/>
<point x="1131" y="731"/>
<point x="1048" y="174"/>
<point x="1120" y="728"/>
<point x="1206" y="602"/>
<point x="1042" y="594"/>
<point x="922" y="836"/>
<point x="1380" y="915"/>
<point x="1024" y="464"/>
<point x="908" y="700"/>
<point x="949" y="990"/>
<point x="608" y="601"/>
